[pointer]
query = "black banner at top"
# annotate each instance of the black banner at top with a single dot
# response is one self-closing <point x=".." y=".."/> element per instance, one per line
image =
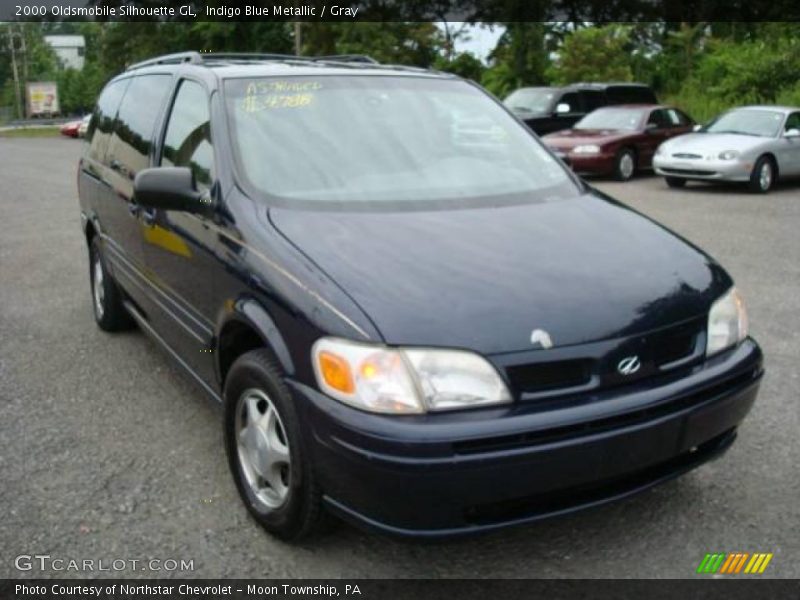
<point x="476" y="11"/>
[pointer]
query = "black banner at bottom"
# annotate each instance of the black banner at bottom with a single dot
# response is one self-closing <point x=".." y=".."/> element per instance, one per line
<point x="387" y="589"/>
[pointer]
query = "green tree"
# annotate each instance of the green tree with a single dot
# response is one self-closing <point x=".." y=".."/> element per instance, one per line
<point x="418" y="44"/>
<point x="464" y="65"/>
<point x="594" y="54"/>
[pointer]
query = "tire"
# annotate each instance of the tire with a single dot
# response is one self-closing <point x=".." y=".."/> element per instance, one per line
<point x="762" y="176"/>
<point x="109" y="312"/>
<point x="273" y="447"/>
<point x="675" y="182"/>
<point x="625" y="165"/>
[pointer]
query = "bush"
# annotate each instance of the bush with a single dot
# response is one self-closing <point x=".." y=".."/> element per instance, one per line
<point x="789" y="96"/>
<point x="731" y="74"/>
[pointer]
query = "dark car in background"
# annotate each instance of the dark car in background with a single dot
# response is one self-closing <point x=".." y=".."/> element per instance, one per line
<point x="618" y="140"/>
<point x="413" y="315"/>
<point x="548" y="109"/>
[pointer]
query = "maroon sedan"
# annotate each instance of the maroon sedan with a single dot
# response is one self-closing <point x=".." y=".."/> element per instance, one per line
<point x="618" y="140"/>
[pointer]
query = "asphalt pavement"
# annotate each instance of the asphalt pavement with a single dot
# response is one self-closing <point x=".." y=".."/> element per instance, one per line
<point x="107" y="451"/>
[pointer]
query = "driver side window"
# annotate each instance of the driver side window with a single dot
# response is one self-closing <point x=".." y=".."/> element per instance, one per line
<point x="187" y="142"/>
<point x="792" y="121"/>
<point x="658" y="118"/>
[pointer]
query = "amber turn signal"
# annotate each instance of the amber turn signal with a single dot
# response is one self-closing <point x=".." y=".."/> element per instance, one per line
<point x="336" y="372"/>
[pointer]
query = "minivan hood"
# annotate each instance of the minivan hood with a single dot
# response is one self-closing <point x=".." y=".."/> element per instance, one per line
<point x="582" y="269"/>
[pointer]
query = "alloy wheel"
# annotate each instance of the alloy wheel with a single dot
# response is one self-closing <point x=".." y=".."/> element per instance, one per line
<point x="263" y="449"/>
<point x="765" y="176"/>
<point x="626" y="165"/>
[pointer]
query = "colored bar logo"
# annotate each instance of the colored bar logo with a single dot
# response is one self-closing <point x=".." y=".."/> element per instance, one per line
<point x="734" y="563"/>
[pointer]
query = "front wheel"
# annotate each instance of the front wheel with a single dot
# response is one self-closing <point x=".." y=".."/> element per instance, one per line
<point x="266" y="453"/>
<point x="625" y="165"/>
<point x="762" y="176"/>
<point x="675" y="182"/>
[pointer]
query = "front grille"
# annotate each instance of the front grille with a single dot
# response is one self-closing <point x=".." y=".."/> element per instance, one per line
<point x="686" y="155"/>
<point x="678" y="344"/>
<point x="658" y="351"/>
<point x="545" y="376"/>
<point x="698" y="172"/>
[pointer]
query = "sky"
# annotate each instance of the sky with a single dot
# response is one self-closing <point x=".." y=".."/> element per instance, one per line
<point x="482" y="40"/>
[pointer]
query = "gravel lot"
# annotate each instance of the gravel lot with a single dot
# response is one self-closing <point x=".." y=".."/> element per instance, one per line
<point x="108" y="451"/>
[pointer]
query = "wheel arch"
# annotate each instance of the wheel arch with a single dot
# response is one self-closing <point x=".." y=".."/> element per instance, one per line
<point x="774" y="160"/>
<point x="246" y="327"/>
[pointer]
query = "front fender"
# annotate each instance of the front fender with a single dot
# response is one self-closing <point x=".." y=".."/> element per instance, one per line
<point x="249" y="312"/>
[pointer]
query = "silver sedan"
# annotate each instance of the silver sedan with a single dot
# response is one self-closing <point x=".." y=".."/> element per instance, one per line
<point x="752" y="144"/>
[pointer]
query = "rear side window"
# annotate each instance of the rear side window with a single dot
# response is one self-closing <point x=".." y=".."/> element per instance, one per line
<point x="138" y="113"/>
<point x="592" y="99"/>
<point x="630" y="94"/>
<point x="102" y="123"/>
<point x="187" y="142"/>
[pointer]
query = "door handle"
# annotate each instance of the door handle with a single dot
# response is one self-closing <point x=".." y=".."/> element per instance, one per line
<point x="115" y="165"/>
<point x="149" y="216"/>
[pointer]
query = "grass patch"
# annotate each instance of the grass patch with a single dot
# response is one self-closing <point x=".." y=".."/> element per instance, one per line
<point x="30" y="132"/>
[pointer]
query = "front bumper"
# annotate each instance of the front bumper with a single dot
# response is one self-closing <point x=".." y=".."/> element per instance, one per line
<point x="702" y="169"/>
<point x="469" y="471"/>
<point x="587" y="164"/>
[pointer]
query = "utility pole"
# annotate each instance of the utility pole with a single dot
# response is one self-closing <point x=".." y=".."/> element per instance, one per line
<point x="298" y="38"/>
<point x="15" y="69"/>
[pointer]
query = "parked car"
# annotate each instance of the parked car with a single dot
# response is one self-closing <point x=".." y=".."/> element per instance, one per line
<point x="417" y="331"/>
<point x="70" y="129"/>
<point x="753" y="144"/>
<point x="548" y="109"/>
<point x="618" y="140"/>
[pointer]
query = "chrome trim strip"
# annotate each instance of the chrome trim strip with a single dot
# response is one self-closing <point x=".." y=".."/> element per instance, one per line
<point x="123" y="261"/>
<point x="142" y="322"/>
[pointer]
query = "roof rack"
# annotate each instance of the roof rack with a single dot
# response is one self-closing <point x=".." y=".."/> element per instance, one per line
<point x="357" y="58"/>
<point x="168" y="59"/>
<point x="198" y="58"/>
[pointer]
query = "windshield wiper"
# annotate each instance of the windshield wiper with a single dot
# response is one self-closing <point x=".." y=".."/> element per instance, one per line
<point x="521" y="108"/>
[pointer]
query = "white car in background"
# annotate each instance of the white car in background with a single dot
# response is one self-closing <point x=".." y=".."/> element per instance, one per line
<point x="752" y="144"/>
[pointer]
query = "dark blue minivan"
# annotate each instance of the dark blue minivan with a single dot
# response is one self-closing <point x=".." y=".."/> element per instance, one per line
<point x="414" y="315"/>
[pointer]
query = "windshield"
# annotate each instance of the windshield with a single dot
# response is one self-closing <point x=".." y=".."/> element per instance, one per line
<point x="612" y="118"/>
<point x="762" y="123"/>
<point x="366" y="139"/>
<point x="530" y="100"/>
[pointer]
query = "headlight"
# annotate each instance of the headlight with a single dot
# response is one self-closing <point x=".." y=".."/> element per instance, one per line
<point x="405" y="380"/>
<point x="728" y="155"/>
<point x="727" y="322"/>
<point x="587" y="149"/>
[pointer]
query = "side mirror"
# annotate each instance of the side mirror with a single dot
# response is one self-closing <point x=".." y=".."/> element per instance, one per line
<point x="562" y="108"/>
<point x="651" y="127"/>
<point x="792" y="133"/>
<point x="170" y="188"/>
<point x="697" y="127"/>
